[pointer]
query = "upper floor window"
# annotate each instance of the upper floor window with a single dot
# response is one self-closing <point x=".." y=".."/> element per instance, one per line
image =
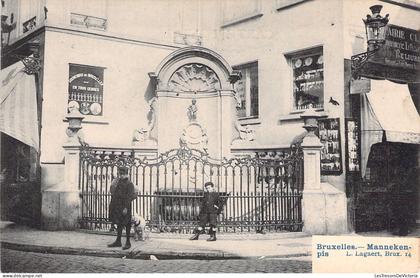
<point x="20" y="17"/>
<point x="30" y="15"/>
<point x="234" y="10"/>
<point x="89" y="14"/>
<point x="29" y="25"/>
<point x="282" y="4"/>
<point x="410" y="4"/>
<point x="247" y="90"/>
<point x="308" y="78"/>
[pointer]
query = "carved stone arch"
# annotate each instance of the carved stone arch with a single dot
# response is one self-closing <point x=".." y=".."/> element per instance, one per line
<point x="206" y="60"/>
<point x="194" y="102"/>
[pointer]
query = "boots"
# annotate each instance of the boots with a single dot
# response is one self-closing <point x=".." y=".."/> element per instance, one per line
<point x="116" y="243"/>
<point x="195" y="236"/>
<point x="212" y="236"/>
<point x="127" y="244"/>
<point x="197" y="232"/>
<point x="127" y="234"/>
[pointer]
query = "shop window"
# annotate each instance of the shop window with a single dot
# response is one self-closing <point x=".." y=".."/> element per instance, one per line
<point x="247" y="90"/>
<point x="18" y="161"/>
<point x="308" y="79"/>
<point x="86" y="89"/>
<point x="329" y="135"/>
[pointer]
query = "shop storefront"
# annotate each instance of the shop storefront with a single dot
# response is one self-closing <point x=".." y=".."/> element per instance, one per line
<point x="19" y="177"/>
<point x="385" y="142"/>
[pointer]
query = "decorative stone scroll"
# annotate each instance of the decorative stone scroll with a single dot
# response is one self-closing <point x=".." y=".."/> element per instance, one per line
<point x="194" y="78"/>
<point x="142" y="135"/>
<point x="245" y="133"/>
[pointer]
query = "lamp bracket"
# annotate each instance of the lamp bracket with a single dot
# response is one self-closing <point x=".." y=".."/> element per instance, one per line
<point x="359" y="60"/>
<point x="32" y="63"/>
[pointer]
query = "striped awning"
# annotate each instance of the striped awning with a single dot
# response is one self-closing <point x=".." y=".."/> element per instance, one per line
<point x="18" y="105"/>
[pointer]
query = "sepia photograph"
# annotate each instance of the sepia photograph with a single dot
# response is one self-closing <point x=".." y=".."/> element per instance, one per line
<point x="210" y="137"/>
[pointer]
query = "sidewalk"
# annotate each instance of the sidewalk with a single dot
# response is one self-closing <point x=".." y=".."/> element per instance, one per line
<point x="162" y="246"/>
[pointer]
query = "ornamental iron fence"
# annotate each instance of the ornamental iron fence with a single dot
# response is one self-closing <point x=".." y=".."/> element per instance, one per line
<point x="259" y="193"/>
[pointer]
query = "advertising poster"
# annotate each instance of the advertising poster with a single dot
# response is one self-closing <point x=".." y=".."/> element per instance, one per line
<point x="86" y="89"/>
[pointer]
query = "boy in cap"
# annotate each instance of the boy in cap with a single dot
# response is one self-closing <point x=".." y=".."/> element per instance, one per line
<point x="210" y="207"/>
<point x="122" y="194"/>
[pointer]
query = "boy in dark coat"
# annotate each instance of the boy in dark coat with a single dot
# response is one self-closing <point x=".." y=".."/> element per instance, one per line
<point x="210" y="207"/>
<point x="122" y="193"/>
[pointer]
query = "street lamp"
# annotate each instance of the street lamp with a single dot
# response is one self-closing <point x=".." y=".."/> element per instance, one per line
<point x="375" y="26"/>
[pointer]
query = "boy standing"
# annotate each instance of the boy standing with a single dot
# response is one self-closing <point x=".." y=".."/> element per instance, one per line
<point x="120" y="207"/>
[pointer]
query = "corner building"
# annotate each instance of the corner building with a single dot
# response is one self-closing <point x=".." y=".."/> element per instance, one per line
<point x="228" y="78"/>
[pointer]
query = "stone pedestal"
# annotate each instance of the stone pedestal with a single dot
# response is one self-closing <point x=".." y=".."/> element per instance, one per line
<point x="61" y="206"/>
<point x="324" y="207"/>
<point x="61" y="203"/>
<point x="313" y="203"/>
<point x="60" y="210"/>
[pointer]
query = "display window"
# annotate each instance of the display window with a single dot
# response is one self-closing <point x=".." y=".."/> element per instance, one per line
<point x="329" y="134"/>
<point x="308" y="79"/>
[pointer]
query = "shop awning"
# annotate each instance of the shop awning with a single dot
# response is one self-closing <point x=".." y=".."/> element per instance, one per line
<point x="387" y="114"/>
<point x="18" y="105"/>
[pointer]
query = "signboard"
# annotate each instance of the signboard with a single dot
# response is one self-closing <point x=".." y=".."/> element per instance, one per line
<point x="402" y="47"/>
<point x="398" y="59"/>
<point x="86" y="89"/>
<point x="359" y="86"/>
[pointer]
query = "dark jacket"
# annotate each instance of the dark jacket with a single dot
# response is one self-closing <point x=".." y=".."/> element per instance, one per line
<point x="211" y="203"/>
<point x="121" y="196"/>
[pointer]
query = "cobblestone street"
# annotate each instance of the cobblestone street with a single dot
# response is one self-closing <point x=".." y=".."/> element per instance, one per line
<point x="19" y="261"/>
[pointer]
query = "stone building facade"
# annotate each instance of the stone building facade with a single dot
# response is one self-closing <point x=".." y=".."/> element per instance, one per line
<point x="229" y="77"/>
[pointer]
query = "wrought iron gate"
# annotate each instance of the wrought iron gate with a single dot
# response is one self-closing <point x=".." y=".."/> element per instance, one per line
<point x="259" y="193"/>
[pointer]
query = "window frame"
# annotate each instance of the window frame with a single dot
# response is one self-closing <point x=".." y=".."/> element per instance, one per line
<point x="302" y="53"/>
<point x="284" y="4"/>
<point x="89" y="15"/>
<point x="250" y="14"/>
<point x="248" y="109"/>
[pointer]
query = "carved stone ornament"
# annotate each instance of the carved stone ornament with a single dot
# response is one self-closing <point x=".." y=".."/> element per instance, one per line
<point x="194" y="78"/>
<point x="142" y="135"/>
<point x="194" y="136"/>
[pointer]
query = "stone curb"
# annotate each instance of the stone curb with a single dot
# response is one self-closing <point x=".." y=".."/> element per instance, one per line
<point x="137" y="254"/>
<point x="133" y="254"/>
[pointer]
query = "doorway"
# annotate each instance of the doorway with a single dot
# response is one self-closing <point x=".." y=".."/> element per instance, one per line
<point x="391" y="174"/>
